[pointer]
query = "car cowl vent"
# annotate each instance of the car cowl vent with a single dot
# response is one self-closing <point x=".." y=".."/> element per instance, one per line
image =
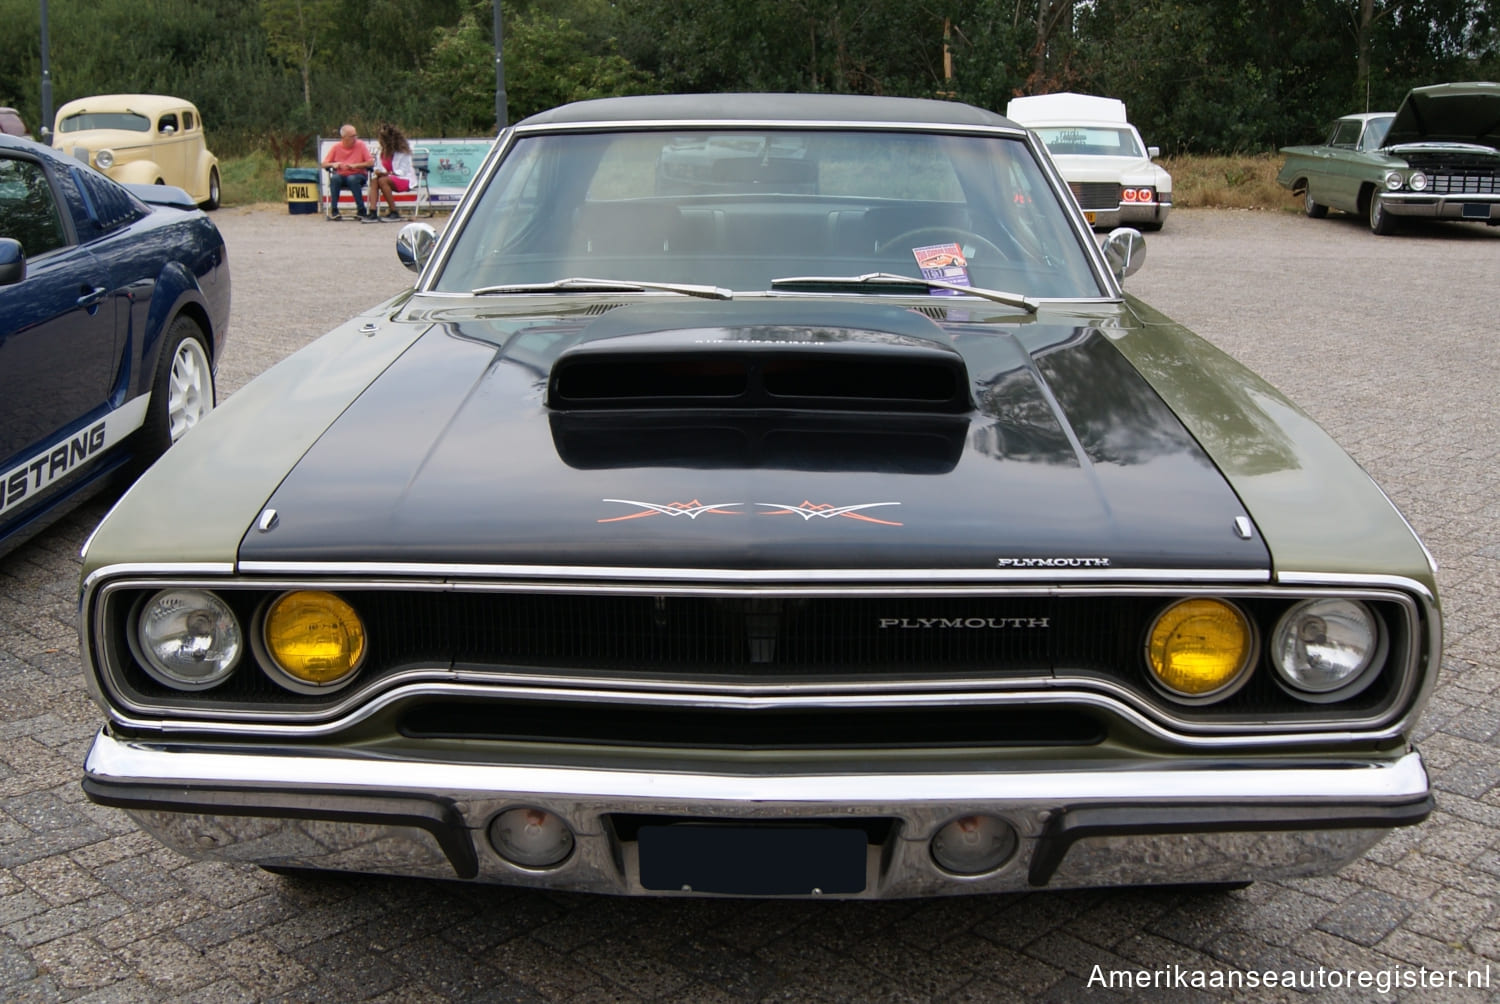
<point x="806" y="369"/>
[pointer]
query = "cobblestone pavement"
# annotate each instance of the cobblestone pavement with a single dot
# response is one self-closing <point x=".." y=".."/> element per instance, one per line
<point x="1390" y="343"/>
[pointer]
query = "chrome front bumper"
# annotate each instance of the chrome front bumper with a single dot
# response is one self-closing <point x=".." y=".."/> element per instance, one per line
<point x="1455" y="206"/>
<point x="1110" y="823"/>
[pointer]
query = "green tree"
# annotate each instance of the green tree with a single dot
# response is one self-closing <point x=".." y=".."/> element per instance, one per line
<point x="299" y="32"/>
<point x="548" y="61"/>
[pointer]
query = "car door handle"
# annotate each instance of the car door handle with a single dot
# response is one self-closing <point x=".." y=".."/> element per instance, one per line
<point x="91" y="295"/>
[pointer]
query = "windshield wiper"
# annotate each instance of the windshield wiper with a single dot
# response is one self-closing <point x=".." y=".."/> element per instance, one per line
<point x="892" y="279"/>
<point x="580" y="284"/>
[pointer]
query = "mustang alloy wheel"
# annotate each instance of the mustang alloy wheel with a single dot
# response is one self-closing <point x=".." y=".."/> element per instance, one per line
<point x="182" y="391"/>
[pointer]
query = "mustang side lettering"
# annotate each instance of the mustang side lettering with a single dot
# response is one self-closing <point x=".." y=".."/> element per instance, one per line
<point x="675" y="535"/>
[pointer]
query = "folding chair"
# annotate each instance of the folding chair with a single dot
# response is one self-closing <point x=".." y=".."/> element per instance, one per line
<point x="419" y="162"/>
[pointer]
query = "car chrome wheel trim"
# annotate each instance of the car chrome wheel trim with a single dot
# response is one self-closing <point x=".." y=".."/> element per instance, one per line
<point x="190" y="390"/>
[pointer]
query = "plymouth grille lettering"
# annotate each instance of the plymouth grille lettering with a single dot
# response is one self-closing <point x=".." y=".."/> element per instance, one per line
<point x="964" y="623"/>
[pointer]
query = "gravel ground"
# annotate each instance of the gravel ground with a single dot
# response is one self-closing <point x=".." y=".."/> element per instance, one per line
<point x="1390" y="343"/>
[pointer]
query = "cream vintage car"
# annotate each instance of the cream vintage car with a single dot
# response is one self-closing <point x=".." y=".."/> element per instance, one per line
<point x="141" y="139"/>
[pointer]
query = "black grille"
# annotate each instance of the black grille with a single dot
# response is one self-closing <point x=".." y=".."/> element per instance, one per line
<point x="1465" y="184"/>
<point x="637" y="643"/>
<point x="1458" y="174"/>
<point x="1096" y="194"/>
<point x="769" y="729"/>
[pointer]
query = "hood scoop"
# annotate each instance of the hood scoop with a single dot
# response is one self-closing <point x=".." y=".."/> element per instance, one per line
<point x="762" y="368"/>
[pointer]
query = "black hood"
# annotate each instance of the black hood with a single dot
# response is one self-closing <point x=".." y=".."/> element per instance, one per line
<point x="760" y="435"/>
<point x="1448" y="113"/>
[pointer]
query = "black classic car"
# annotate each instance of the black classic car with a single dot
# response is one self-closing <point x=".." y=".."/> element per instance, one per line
<point x="763" y="495"/>
<point x="114" y="304"/>
<point x="1437" y="157"/>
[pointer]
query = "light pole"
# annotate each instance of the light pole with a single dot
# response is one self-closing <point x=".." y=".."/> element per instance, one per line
<point x="501" y="115"/>
<point x="46" y="128"/>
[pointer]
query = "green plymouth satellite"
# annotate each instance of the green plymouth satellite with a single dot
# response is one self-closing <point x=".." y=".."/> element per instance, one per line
<point x="1435" y="157"/>
<point x="763" y="495"/>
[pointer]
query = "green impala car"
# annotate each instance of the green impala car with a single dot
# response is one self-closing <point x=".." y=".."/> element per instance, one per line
<point x="1435" y="157"/>
<point x="763" y="495"/>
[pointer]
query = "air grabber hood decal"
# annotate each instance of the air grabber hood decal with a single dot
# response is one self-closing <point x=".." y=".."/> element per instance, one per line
<point x="762" y="437"/>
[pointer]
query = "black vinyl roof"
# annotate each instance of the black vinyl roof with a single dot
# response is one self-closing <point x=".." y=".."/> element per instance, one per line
<point x="772" y="107"/>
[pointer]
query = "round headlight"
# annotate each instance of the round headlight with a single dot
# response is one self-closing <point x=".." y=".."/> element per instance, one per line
<point x="315" y="639"/>
<point x="1200" y="648"/>
<point x="1394" y="181"/>
<point x="104" y="160"/>
<point x="1323" y="646"/>
<point x="188" y="639"/>
<point x="1417" y="181"/>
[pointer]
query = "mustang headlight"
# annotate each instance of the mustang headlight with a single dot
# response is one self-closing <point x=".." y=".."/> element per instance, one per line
<point x="1322" y="648"/>
<point x="314" y="639"/>
<point x="188" y="639"/>
<point x="1417" y="181"/>
<point x="1200" y="649"/>
<point x="104" y="160"/>
<point x="1394" y="181"/>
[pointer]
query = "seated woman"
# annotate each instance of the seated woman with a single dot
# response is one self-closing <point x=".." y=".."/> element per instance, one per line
<point x="393" y="171"/>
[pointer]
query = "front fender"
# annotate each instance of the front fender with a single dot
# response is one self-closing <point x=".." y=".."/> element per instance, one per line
<point x="177" y="291"/>
<point x="137" y="172"/>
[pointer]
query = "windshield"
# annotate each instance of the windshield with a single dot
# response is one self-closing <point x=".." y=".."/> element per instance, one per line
<point x="1375" y="131"/>
<point x="128" y="121"/>
<point x="737" y="209"/>
<point x="1090" y="141"/>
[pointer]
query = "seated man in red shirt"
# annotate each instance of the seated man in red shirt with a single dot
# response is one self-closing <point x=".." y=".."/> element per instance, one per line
<point x="348" y="160"/>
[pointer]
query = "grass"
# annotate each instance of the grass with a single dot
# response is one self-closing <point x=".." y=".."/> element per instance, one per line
<point x="248" y="180"/>
<point x="1242" y="182"/>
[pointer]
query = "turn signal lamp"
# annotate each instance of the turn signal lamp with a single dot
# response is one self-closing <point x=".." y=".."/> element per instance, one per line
<point x="531" y="837"/>
<point x="1200" y="648"/>
<point x="315" y="639"/>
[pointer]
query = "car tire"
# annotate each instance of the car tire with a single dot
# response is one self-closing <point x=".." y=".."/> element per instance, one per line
<point x="212" y="202"/>
<point x="1314" y="210"/>
<point x="1381" y="222"/>
<point x="182" y="390"/>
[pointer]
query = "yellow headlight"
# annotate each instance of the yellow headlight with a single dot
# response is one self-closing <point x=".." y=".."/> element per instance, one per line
<point x="1198" y="647"/>
<point x="314" y="637"/>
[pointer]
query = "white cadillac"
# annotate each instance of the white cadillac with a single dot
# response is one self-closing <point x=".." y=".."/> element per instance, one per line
<point x="1101" y="157"/>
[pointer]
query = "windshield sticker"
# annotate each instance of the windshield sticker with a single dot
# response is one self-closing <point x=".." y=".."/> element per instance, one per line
<point x="945" y="263"/>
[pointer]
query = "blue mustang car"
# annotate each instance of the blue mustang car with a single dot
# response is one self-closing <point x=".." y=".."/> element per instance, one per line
<point x="114" y="303"/>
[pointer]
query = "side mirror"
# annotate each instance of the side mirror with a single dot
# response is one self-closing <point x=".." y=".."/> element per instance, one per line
<point x="414" y="245"/>
<point x="1152" y="152"/>
<point x="12" y="261"/>
<point x="1125" y="251"/>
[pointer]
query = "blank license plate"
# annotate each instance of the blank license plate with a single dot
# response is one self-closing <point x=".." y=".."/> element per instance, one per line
<point x="1476" y="211"/>
<point x="752" y="860"/>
